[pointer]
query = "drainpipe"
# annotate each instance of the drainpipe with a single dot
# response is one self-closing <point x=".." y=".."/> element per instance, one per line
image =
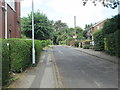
<point x="119" y="9"/>
<point x="6" y="31"/>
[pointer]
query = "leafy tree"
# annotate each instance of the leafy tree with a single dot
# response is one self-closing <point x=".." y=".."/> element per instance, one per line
<point x="111" y="25"/>
<point x="106" y="3"/>
<point x="58" y="25"/>
<point x="42" y="26"/>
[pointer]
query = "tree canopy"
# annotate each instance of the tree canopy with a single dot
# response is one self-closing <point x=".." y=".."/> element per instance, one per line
<point x="42" y="26"/>
<point x="106" y="3"/>
<point x="111" y="25"/>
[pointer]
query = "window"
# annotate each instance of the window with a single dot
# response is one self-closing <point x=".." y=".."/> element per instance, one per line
<point x="98" y="27"/>
<point x="11" y="3"/>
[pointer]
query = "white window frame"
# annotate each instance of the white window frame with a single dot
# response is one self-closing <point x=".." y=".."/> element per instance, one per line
<point x="11" y="3"/>
<point x="98" y="27"/>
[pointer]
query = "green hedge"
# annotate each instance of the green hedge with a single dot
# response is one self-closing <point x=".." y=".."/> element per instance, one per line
<point x="112" y="44"/>
<point x="98" y="40"/>
<point x="46" y="43"/>
<point x="18" y="55"/>
<point x="5" y="62"/>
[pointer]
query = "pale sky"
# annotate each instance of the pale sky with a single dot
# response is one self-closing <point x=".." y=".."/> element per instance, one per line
<point x="65" y="10"/>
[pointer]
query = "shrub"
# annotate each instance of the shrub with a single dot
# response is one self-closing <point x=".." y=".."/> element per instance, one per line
<point x="38" y="49"/>
<point x="98" y="40"/>
<point x="20" y="54"/>
<point x="112" y="44"/>
<point x="46" y="43"/>
<point x="76" y="43"/>
<point x="5" y="62"/>
<point x="111" y="25"/>
<point x="86" y="46"/>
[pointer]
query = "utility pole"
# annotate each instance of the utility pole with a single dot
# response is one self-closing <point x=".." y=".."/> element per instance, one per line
<point x="33" y="45"/>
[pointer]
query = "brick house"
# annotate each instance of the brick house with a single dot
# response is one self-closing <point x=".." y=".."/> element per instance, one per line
<point x="94" y="28"/>
<point x="9" y="19"/>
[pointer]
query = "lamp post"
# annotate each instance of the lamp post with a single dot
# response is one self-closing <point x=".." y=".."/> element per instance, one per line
<point x="33" y="45"/>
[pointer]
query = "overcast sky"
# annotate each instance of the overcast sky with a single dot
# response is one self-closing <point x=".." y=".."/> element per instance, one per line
<point x="65" y="10"/>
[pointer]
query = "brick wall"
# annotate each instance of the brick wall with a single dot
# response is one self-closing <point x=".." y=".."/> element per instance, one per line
<point x="13" y="21"/>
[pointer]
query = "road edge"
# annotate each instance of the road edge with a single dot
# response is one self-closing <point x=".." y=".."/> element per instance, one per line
<point x="59" y="83"/>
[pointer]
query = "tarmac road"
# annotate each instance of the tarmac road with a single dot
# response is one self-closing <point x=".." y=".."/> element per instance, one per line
<point x="80" y="70"/>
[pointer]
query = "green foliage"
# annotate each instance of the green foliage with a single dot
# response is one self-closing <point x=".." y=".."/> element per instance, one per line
<point x="86" y="46"/>
<point x="98" y="40"/>
<point x="111" y="31"/>
<point x="111" y="25"/>
<point x="76" y="43"/>
<point x="46" y="43"/>
<point x="5" y="62"/>
<point x="112" y="44"/>
<point x="59" y="25"/>
<point x="18" y="55"/>
<point x="42" y="26"/>
<point x="66" y="34"/>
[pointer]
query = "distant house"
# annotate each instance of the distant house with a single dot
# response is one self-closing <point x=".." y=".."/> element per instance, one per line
<point x="9" y="19"/>
<point x="94" y="28"/>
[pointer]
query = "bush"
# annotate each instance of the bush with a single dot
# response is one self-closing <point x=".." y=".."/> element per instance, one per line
<point x="46" y="43"/>
<point x="38" y="49"/>
<point x="98" y="40"/>
<point x="86" y="46"/>
<point x="18" y="55"/>
<point x="112" y="44"/>
<point x="111" y="25"/>
<point x="76" y="43"/>
<point x="5" y="62"/>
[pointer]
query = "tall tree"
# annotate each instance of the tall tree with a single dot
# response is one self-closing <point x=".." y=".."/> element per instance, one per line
<point x="42" y="26"/>
<point x="59" y="24"/>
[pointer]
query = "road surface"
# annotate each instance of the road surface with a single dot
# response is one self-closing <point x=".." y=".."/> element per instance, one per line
<point x="80" y="70"/>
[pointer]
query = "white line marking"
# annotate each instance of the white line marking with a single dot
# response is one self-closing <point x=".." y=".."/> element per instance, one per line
<point x="60" y="52"/>
<point x="97" y="84"/>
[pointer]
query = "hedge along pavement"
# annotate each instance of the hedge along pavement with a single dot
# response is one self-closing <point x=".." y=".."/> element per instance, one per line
<point x="98" y="40"/>
<point x="112" y="43"/>
<point x="5" y="62"/>
<point x="18" y="55"/>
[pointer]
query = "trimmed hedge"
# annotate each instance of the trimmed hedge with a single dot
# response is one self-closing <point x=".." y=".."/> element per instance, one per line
<point x="18" y="55"/>
<point x="112" y="44"/>
<point x="5" y="62"/>
<point x="98" y="40"/>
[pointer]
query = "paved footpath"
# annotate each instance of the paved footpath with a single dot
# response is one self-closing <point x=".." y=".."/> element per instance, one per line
<point x="99" y="54"/>
<point x="41" y="76"/>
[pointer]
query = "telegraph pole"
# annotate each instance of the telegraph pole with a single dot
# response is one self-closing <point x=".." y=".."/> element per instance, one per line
<point x="33" y="45"/>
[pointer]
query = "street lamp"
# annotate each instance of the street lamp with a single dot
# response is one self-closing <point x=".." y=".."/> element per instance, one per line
<point x="33" y="45"/>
